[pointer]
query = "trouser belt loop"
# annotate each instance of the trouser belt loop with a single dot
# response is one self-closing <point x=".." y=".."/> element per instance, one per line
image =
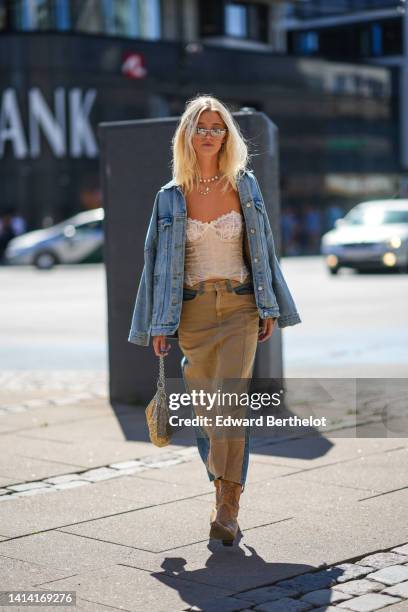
<point x="229" y="285"/>
<point x="201" y="288"/>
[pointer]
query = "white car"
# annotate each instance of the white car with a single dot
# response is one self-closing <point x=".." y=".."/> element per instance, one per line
<point x="78" y="239"/>
<point x="372" y="235"/>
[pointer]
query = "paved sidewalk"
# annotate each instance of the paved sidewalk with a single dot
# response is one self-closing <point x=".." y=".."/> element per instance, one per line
<point x="89" y="505"/>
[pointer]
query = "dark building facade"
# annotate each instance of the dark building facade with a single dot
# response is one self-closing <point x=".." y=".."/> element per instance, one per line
<point x="337" y="120"/>
<point x="371" y="31"/>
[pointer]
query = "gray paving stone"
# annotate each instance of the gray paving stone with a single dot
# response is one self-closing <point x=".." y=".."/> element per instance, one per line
<point x="310" y="581"/>
<point x="129" y="529"/>
<point x="90" y="606"/>
<point x="284" y="605"/>
<point x="390" y="575"/>
<point x="134" y="470"/>
<point x="370" y="472"/>
<point x="24" y="468"/>
<point x="71" y="484"/>
<point x="123" y="465"/>
<point x="380" y="560"/>
<point x="269" y="593"/>
<point x="337" y="530"/>
<point x="319" y="451"/>
<point x="349" y="571"/>
<point x="102" y="473"/>
<point x="399" y="590"/>
<point x="6" y="498"/>
<point x="157" y="464"/>
<point x="82" y="449"/>
<point x="221" y="604"/>
<point x="61" y="479"/>
<point x="27" y="486"/>
<point x="325" y="596"/>
<point x="133" y="589"/>
<point x="398" y="607"/>
<point x="359" y="587"/>
<point x="18" y="574"/>
<point x="72" y="554"/>
<point x="32" y="492"/>
<point x="60" y="508"/>
<point x="368" y="603"/>
<point x="403" y="550"/>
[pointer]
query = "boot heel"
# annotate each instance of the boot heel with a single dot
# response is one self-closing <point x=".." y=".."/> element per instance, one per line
<point x="224" y="524"/>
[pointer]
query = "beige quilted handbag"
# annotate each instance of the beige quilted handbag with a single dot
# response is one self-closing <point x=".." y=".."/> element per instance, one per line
<point x="157" y="413"/>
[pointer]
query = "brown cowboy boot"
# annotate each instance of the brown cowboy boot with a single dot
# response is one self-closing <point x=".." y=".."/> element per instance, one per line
<point x="217" y="484"/>
<point x="225" y="525"/>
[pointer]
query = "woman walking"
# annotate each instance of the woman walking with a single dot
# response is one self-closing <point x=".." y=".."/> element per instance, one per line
<point x="211" y="277"/>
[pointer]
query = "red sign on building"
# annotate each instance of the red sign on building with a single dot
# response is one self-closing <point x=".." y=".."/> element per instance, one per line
<point x="134" y="66"/>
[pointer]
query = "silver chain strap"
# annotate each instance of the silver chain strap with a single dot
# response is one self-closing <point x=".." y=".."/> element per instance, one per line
<point x="161" y="379"/>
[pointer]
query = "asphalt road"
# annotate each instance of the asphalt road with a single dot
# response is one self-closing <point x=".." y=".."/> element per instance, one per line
<point x="353" y="325"/>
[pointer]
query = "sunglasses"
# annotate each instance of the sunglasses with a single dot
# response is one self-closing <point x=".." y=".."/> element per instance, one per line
<point x="216" y="132"/>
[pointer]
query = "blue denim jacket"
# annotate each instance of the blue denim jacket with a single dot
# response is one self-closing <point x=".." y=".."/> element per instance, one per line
<point x="159" y="297"/>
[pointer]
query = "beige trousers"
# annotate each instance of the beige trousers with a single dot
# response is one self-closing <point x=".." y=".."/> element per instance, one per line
<point x="218" y="336"/>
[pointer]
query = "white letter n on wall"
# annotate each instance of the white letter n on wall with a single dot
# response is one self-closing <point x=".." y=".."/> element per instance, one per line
<point x="41" y="116"/>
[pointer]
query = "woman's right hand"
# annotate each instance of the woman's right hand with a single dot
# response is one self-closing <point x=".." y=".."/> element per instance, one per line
<point x="160" y="346"/>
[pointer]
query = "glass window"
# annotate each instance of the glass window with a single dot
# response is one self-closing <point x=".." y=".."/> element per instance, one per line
<point x="33" y="14"/>
<point x="3" y="15"/>
<point x="246" y="20"/>
<point x="89" y="226"/>
<point x="376" y="39"/>
<point x="236" y="20"/>
<point x="306" y="43"/>
<point x="309" y="9"/>
<point x="375" y="216"/>
<point x="149" y="18"/>
<point x="89" y="16"/>
<point x="131" y="18"/>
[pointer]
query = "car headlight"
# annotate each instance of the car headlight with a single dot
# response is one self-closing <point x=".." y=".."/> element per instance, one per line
<point x="394" y="242"/>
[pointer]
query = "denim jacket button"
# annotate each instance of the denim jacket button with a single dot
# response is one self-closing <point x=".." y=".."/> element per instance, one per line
<point x="252" y="230"/>
<point x="248" y="204"/>
<point x="260" y="288"/>
<point x="255" y="259"/>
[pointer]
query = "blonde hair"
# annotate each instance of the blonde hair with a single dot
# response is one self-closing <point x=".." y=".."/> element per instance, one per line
<point x="233" y="155"/>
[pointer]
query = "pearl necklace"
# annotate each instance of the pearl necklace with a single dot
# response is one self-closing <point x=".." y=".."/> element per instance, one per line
<point x="207" y="187"/>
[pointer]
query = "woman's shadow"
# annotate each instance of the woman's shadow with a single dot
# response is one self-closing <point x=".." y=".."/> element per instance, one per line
<point x="227" y="571"/>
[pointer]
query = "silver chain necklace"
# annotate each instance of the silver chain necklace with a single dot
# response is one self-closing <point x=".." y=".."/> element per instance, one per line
<point x="207" y="188"/>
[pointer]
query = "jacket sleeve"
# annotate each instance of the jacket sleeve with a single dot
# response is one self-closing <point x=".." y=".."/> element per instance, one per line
<point x="287" y="307"/>
<point x="142" y="312"/>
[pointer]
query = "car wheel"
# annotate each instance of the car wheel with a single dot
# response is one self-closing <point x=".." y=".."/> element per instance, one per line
<point x="333" y="271"/>
<point x="45" y="260"/>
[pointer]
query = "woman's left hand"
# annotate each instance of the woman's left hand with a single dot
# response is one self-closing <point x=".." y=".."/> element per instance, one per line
<point x="266" y="330"/>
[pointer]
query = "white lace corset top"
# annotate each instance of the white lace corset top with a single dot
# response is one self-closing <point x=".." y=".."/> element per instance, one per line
<point x="214" y="249"/>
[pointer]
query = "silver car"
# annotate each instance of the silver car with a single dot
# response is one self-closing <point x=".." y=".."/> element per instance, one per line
<point x="372" y="235"/>
<point x="78" y="239"/>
